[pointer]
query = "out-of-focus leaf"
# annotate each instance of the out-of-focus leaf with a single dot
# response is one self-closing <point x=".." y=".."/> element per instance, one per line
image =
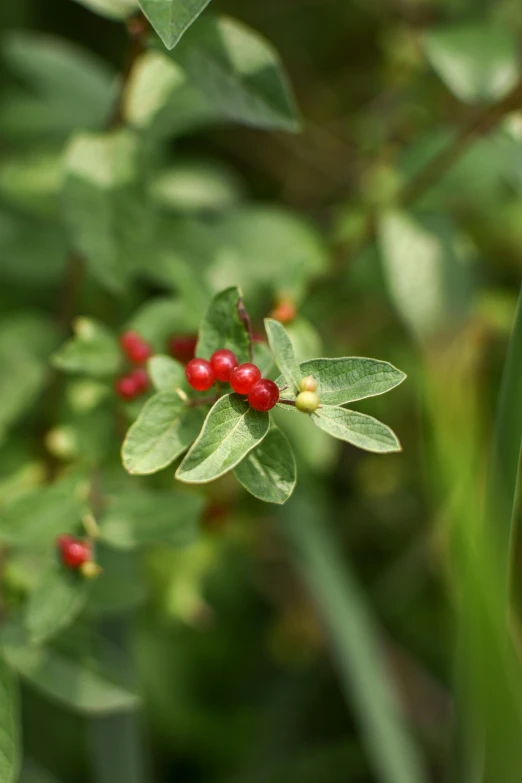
<point x="165" y="373"/>
<point x="33" y="251"/>
<point x="56" y="600"/>
<point x="147" y="518"/>
<point x="195" y="186"/>
<point x="32" y="181"/>
<point x="121" y="587"/>
<point x="67" y="88"/>
<point x="269" y="471"/>
<point x="38" y="516"/>
<point x="9" y="725"/>
<point x="114" y="9"/>
<point x="26" y="341"/>
<point x="360" y="430"/>
<point x="35" y="773"/>
<point x="284" y="353"/>
<point x="93" y="350"/>
<point x="348" y="379"/>
<point x="427" y="278"/>
<point x="305" y="338"/>
<point x="164" y="429"/>
<point x="161" y="318"/>
<point x="153" y="81"/>
<point x="222" y="327"/>
<point x="170" y="18"/>
<point x="231" y="429"/>
<point x="83" y="682"/>
<point x="239" y="73"/>
<point x="104" y="205"/>
<point x="479" y="62"/>
<point x="354" y="642"/>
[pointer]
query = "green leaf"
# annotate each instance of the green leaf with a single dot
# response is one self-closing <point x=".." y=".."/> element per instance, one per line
<point x="55" y="601"/>
<point x="354" y="640"/>
<point x="149" y="518"/>
<point x="477" y="62"/>
<point x="231" y="429"/>
<point x="113" y="9"/>
<point x="239" y="73"/>
<point x="194" y="186"/>
<point x="223" y="328"/>
<point x="154" y="80"/>
<point x="36" y="518"/>
<point x="170" y="18"/>
<point x="360" y="430"/>
<point x="164" y="429"/>
<point x="93" y="350"/>
<point x="25" y="343"/>
<point x="104" y="205"/>
<point x="9" y="725"/>
<point x="269" y="471"/>
<point x="158" y="319"/>
<point x="166" y="374"/>
<point x="348" y="379"/>
<point x="427" y="278"/>
<point x="283" y="351"/>
<point x="33" y="250"/>
<point x="65" y="88"/>
<point x="79" y="680"/>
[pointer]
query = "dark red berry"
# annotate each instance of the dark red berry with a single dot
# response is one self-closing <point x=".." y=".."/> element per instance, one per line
<point x="141" y="380"/>
<point x="200" y="374"/>
<point x="263" y="395"/>
<point x="127" y="387"/>
<point x="243" y="377"/>
<point x="135" y="347"/>
<point x="73" y="551"/>
<point x="183" y="347"/>
<point x="223" y="362"/>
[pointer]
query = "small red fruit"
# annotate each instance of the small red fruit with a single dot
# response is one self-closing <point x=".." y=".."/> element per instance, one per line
<point x="243" y="377"/>
<point x="200" y="374"/>
<point x="127" y="387"/>
<point x="285" y="311"/>
<point x="263" y="395"/>
<point x="135" y="347"/>
<point x="223" y="362"/>
<point x="183" y="347"/>
<point x="73" y="551"/>
<point x="141" y="380"/>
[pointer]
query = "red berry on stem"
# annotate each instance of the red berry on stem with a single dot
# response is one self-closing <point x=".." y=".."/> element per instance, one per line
<point x="223" y="362"/>
<point x="200" y="374"/>
<point x="135" y="347"/>
<point x="73" y="551"/>
<point x="183" y="347"/>
<point x="141" y="380"/>
<point x="285" y="311"/>
<point x="243" y="377"/>
<point x="126" y="387"/>
<point x="263" y="395"/>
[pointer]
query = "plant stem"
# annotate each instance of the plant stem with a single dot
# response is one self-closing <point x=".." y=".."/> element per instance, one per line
<point x="245" y="318"/>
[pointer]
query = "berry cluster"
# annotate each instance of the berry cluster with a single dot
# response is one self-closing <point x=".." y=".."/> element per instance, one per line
<point x="183" y="347"/>
<point x="137" y="351"/>
<point x="245" y="378"/>
<point x="307" y="400"/>
<point x="76" y="555"/>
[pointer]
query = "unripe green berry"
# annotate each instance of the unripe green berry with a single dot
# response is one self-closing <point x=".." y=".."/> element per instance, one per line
<point x="307" y="401"/>
<point x="308" y="384"/>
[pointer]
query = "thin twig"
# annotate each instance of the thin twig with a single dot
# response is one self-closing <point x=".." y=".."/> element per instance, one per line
<point x="245" y="319"/>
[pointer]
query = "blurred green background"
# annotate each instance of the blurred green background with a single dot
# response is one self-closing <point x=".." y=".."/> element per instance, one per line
<point x="243" y="645"/>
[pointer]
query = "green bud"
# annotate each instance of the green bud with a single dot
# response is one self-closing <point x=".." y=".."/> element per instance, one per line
<point x="307" y="401"/>
<point x="308" y="384"/>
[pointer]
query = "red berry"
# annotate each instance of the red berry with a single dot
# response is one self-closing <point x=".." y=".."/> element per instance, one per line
<point x="200" y="374"/>
<point x="73" y="551"/>
<point x="263" y="395"/>
<point x="243" y="377"/>
<point x="127" y="387"/>
<point x="141" y="380"/>
<point x="223" y="362"/>
<point x="135" y="347"/>
<point x="285" y="311"/>
<point x="183" y="347"/>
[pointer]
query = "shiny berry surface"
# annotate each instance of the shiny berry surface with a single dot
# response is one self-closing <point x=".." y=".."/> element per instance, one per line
<point x="141" y="380"/>
<point x="126" y="387"/>
<point x="243" y="377"/>
<point x="307" y="401"/>
<point x="135" y="347"/>
<point x="183" y="347"/>
<point x="223" y="362"/>
<point x="263" y="395"/>
<point x="73" y="551"/>
<point x="308" y="384"/>
<point x="200" y="374"/>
